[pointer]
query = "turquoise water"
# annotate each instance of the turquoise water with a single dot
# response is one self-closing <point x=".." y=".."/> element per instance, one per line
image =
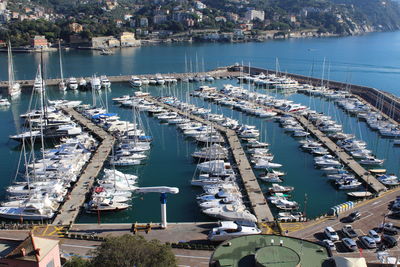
<point x="370" y="60"/>
<point x="170" y="163"/>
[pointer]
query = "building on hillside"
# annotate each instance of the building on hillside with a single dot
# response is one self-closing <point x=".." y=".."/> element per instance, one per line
<point x="251" y="15"/>
<point x="39" y="41"/>
<point x="220" y="19"/>
<point x="104" y="42"/>
<point x="200" y="5"/>
<point x="111" y="4"/>
<point x="76" y="39"/>
<point x="127" y="39"/>
<point x="144" y="22"/>
<point x="75" y="27"/>
<point x="232" y="17"/>
<point x="31" y="252"/>
<point x="128" y="17"/>
<point x="159" y="18"/>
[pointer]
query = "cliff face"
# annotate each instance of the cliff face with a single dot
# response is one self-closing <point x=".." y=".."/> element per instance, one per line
<point x="362" y="16"/>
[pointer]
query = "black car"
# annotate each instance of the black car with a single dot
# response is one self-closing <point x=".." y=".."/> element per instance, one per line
<point x="354" y="216"/>
<point x="389" y="241"/>
<point x="394" y="215"/>
<point x="390" y="231"/>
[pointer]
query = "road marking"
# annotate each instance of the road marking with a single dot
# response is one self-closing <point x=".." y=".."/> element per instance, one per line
<point x="194" y="257"/>
<point x="78" y="246"/>
<point x="376" y="202"/>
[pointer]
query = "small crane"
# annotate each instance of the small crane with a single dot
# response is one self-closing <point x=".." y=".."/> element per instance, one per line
<point x="163" y="190"/>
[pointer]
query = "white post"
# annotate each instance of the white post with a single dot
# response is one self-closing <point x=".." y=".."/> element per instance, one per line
<point x="163" y="200"/>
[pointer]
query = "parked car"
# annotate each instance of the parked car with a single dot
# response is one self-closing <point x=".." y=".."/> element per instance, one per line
<point x="368" y="241"/>
<point x="349" y="231"/>
<point x="331" y="234"/>
<point x="388" y="228"/>
<point x="373" y="234"/>
<point x="329" y="244"/>
<point x="389" y="241"/>
<point x="356" y="215"/>
<point x="349" y="243"/>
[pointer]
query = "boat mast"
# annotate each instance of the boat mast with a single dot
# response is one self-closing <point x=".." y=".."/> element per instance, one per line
<point x="61" y="65"/>
<point x="323" y="73"/>
<point x="10" y="69"/>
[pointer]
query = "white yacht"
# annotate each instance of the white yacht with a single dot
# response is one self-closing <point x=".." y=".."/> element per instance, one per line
<point x="4" y="102"/>
<point x="72" y="83"/>
<point x="228" y="229"/>
<point x="95" y="83"/>
<point x="105" y="82"/>
<point x="135" y="81"/>
<point x="231" y="212"/>
<point x="82" y="83"/>
<point x="28" y="212"/>
<point x="105" y="204"/>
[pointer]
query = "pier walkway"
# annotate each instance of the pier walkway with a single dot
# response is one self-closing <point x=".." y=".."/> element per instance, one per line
<point x="345" y="158"/>
<point x="256" y="197"/>
<point x="219" y="72"/>
<point x="71" y="207"/>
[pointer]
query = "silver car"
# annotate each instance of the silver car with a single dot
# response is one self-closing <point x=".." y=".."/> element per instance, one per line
<point x="349" y="244"/>
<point x="374" y="235"/>
<point x="368" y="241"/>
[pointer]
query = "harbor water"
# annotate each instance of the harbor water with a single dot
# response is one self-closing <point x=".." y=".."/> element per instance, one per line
<point x="169" y="162"/>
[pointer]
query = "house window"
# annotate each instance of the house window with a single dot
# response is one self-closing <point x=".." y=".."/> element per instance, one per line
<point x="50" y="264"/>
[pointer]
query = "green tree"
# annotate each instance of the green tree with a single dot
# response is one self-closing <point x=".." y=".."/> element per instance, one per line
<point x="77" y="262"/>
<point x="128" y="251"/>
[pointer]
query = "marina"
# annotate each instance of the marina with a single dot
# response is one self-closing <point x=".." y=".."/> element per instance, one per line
<point x="253" y="191"/>
<point x="76" y="198"/>
<point x="221" y="152"/>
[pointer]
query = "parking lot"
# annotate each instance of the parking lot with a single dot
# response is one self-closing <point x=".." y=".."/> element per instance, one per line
<point x="373" y="214"/>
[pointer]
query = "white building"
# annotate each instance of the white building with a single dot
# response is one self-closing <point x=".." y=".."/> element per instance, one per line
<point x="200" y="5"/>
<point x="255" y="14"/>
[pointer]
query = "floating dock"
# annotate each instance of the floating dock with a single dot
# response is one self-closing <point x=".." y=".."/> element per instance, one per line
<point x="345" y="158"/>
<point x="256" y="197"/>
<point x="70" y="209"/>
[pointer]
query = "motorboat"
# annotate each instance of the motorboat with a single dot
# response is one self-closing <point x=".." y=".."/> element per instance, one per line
<point x="73" y="84"/>
<point x="264" y="164"/>
<point x="135" y="81"/>
<point x="28" y="212"/>
<point x="371" y="161"/>
<point x="105" y="205"/>
<point x="4" y="102"/>
<point x="231" y="212"/>
<point x="82" y="83"/>
<point x="216" y="167"/>
<point x="105" y="82"/>
<point x="231" y="229"/>
<point x="95" y="83"/>
<point x="276" y="188"/>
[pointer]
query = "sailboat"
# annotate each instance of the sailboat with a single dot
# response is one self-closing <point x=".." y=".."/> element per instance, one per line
<point x="38" y="85"/>
<point x="14" y="88"/>
<point x="62" y="86"/>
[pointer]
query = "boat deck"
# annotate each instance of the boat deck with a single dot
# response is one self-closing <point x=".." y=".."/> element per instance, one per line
<point x="70" y="209"/>
<point x="256" y="197"/>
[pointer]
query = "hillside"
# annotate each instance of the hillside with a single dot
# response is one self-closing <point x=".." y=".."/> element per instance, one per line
<point x="25" y="18"/>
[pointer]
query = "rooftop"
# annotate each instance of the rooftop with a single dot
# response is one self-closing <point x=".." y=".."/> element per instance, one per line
<point x="269" y="250"/>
